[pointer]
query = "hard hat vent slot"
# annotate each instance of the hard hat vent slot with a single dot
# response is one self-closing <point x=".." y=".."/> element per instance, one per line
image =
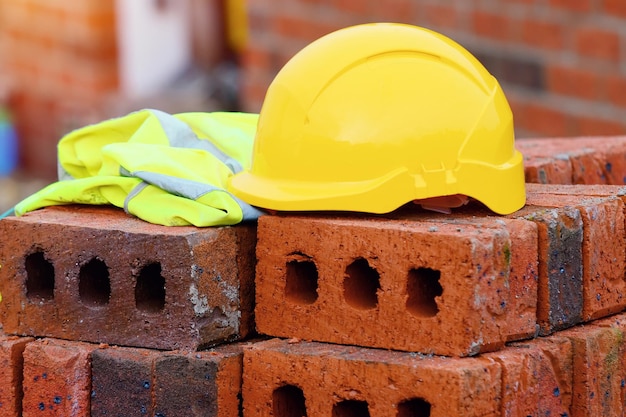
<point x="288" y="401"/>
<point x="94" y="285"/>
<point x="39" y="277"/>
<point x="150" y="289"/>
<point x="422" y="288"/>
<point x="351" y="408"/>
<point x="301" y="280"/>
<point x="361" y="285"/>
<point x="414" y="407"/>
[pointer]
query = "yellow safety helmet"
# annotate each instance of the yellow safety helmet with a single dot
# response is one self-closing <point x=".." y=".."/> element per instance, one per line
<point x="373" y="116"/>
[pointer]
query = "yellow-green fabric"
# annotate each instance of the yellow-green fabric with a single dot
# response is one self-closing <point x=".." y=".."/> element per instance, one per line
<point x="165" y="169"/>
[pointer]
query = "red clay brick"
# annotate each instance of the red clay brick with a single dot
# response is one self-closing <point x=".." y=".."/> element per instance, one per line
<point x="131" y="381"/>
<point x="597" y="373"/>
<point x="358" y="7"/>
<point x="11" y="364"/>
<point x="618" y="321"/>
<point x="57" y="378"/>
<point x="543" y="34"/>
<point x="616" y="84"/>
<point x="492" y="25"/>
<point x="547" y="170"/>
<point x="589" y="125"/>
<point x="610" y="153"/>
<point x="96" y="274"/>
<point x="585" y="169"/>
<point x="593" y="160"/>
<point x="122" y="381"/>
<point x="604" y="259"/>
<point x="598" y="43"/>
<point x="536" y="377"/>
<point x="523" y="279"/>
<point x="578" y="190"/>
<point x="546" y="120"/>
<point x="302" y="28"/>
<point x="256" y="57"/>
<point x="199" y="384"/>
<point x="288" y="378"/>
<point x="560" y="290"/>
<point x="560" y="252"/>
<point x="615" y="7"/>
<point x="400" y="284"/>
<point x="523" y="273"/>
<point x="394" y="11"/>
<point x="574" y="82"/>
<point x="439" y="15"/>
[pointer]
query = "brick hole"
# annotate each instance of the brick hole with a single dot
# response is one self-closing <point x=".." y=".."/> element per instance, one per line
<point x="415" y="407"/>
<point x="150" y="289"/>
<point x="422" y="288"/>
<point x="39" y="277"/>
<point x="301" y="282"/>
<point x="361" y="285"/>
<point x="288" y="401"/>
<point x="94" y="286"/>
<point x="351" y="408"/>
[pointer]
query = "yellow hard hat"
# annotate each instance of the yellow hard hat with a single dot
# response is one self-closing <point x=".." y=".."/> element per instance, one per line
<point x="373" y="116"/>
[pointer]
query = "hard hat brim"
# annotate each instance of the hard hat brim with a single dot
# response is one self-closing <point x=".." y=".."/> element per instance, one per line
<point x="504" y="194"/>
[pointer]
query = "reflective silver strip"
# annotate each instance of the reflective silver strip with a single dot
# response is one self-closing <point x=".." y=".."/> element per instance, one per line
<point x="180" y="135"/>
<point x="192" y="190"/>
<point x="249" y="212"/>
<point x="62" y="174"/>
<point x="138" y="188"/>
<point x="177" y="186"/>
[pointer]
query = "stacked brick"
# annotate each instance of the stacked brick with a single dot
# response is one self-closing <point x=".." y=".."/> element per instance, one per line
<point x="526" y="292"/>
<point x="124" y="281"/>
<point x="413" y="313"/>
<point x="561" y="63"/>
<point x="78" y="282"/>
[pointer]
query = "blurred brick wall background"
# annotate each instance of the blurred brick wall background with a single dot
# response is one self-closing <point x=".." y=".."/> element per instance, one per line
<point x="60" y="59"/>
<point x="562" y="63"/>
<point x="60" y="68"/>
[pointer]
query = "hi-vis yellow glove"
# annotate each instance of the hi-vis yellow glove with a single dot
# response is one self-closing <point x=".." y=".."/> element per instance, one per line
<point x="165" y="169"/>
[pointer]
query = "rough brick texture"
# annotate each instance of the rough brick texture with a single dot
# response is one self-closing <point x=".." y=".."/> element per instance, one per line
<point x="536" y="377"/>
<point x="617" y="322"/>
<point x="396" y="284"/>
<point x="598" y="373"/>
<point x="130" y="381"/>
<point x="199" y="384"/>
<point x="122" y="381"/>
<point x="560" y="286"/>
<point x="524" y="262"/>
<point x="584" y="160"/>
<point x="57" y="378"/>
<point x="11" y="364"/>
<point x="295" y="378"/>
<point x="603" y="278"/>
<point x="95" y="274"/>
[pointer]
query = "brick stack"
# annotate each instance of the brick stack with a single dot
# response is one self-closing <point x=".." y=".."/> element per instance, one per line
<point x="562" y="63"/>
<point x="76" y="280"/>
<point x="408" y="314"/>
<point x="454" y="315"/>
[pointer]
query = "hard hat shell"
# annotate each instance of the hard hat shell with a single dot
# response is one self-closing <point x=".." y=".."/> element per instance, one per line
<point x="373" y="116"/>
